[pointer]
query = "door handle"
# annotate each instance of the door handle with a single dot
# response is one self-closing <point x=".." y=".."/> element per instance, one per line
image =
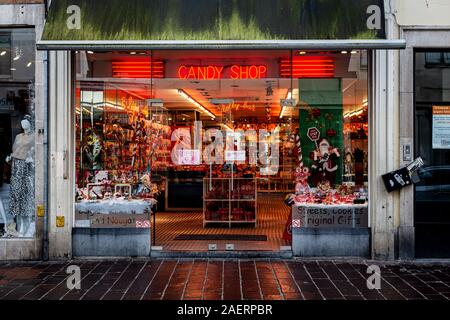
<point x="65" y="165"/>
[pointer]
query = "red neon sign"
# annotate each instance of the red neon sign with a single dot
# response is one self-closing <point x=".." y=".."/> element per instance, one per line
<point x="307" y="67"/>
<point x="138" y="69"/>
<point x="211" y="72"/>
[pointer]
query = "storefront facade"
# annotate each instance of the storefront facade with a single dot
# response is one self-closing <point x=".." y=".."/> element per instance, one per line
<point x="205" y="84"/>
<point x="254" y="116"/>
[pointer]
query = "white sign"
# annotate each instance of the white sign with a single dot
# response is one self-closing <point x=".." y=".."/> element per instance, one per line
<point x="188" y="157"/>
<point x="234" y="156"/>
<point x="441" y="127"/>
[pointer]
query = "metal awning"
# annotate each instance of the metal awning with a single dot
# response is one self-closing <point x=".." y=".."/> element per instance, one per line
<point x="106" y="45"/>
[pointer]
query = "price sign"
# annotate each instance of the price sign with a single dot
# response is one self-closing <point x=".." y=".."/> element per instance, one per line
<point x="313" y="134"/>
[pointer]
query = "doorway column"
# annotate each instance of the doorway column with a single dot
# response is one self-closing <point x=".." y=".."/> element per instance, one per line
<point x="61" y="193"/>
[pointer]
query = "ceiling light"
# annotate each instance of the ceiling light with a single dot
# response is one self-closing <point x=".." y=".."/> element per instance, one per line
<point x="354" y="52"/>
<point x="2" y="53"/>
<point x="16" y="58"/>
<point x="13" y="69"/>
<point x="365" y="102"/>
<point x="29" y="64"/>
<point x="344" y="52"/>
<point x="133" y="52"/>
<point x="302" y="52"/>
<point x="196" y="103"/>
<point x="289" y="95"/>
<point x="90" y="52"/>
<point x="286" y="108"/>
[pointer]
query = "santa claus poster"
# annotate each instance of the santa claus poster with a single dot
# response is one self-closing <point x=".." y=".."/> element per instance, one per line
<point x="321" y="107"/>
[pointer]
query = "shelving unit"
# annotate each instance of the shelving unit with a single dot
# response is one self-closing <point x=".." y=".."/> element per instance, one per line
<point x="230" y="201"/>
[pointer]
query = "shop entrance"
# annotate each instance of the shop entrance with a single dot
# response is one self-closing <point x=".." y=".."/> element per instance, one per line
<point x="230" y="151"/>
<point x="432" y="143"/>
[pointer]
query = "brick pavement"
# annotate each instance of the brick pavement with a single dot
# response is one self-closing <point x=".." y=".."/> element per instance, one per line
<point x="189" y="279"/>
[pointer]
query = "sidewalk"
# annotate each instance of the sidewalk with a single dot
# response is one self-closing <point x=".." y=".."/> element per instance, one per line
<point x="223" y="279"/>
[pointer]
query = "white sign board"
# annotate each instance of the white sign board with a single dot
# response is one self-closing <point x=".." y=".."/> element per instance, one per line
<point x="441" y="127"/>
<point x="188" y="157"/>
<point x="231" y="156"/>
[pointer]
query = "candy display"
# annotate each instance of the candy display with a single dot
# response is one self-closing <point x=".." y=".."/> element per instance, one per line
<point x="229" y="200"/>
<point x="120" y="151"/>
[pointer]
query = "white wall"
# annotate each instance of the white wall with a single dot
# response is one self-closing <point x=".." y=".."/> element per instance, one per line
<point x="421" y="12"/>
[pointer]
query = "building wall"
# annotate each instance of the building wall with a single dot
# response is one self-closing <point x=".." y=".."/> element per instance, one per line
<point x="421" y="12"/>
<point x="30" y="15"/>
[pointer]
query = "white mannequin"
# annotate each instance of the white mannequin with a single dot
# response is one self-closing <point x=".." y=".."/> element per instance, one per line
<point x="24" y="222"/>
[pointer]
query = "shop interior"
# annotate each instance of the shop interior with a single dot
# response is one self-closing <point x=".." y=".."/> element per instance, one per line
<point x="220" y="140"/>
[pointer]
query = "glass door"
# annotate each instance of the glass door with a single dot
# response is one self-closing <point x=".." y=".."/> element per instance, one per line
<point x="432" y="143"/>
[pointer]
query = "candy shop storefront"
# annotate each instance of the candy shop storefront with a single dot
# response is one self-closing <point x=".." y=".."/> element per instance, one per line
<point x="199" y="146"/>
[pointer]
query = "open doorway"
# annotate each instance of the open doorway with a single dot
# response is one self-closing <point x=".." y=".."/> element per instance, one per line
<point x="231" y="150"/>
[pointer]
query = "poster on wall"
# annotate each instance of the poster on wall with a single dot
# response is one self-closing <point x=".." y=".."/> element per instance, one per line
<point x="441" y="127"/>
<point x="321" y="128"/>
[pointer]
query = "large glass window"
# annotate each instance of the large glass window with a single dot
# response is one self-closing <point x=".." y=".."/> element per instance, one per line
<point x="224" y="134"/>
<point x="17" y="136"/>
<point x="432" y="143"/>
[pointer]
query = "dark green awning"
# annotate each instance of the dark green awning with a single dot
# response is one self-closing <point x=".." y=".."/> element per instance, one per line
<point x="139" y="24"/>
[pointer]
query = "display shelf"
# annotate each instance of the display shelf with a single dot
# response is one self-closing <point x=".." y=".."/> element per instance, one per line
<point x="225" y="201"/>
<point x="275" y="185"/>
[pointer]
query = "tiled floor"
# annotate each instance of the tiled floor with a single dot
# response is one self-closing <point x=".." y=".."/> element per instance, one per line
<point x="224" y="280"/>
<point x="272" y="217"/>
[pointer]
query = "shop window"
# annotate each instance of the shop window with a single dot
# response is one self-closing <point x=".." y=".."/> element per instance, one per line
<point x="332" y="146"/>
<point x="17" y="133"/>
<point x="220" y="132"/>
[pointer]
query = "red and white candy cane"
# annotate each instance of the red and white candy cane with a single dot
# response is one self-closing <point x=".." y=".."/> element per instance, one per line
<point x="298" y="144"/>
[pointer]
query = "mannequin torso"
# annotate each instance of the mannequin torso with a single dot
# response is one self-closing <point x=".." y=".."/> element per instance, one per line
<point x="22" y="146"/>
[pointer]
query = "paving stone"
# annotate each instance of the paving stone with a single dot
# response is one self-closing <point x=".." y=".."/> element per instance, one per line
<point x="222" y="279"/>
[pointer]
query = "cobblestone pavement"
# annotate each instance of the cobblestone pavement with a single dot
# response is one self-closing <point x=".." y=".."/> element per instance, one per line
<point x="223" y="279"/>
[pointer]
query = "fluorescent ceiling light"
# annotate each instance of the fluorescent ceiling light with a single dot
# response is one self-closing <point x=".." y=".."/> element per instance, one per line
<point x="286" y="109"/>
<point x="196" y="103"/>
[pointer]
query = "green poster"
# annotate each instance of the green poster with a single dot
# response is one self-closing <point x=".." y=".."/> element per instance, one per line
<point x="321" y="107"/>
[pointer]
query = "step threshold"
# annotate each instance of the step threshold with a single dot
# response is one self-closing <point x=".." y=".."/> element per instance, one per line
<point x="222" y="254"/>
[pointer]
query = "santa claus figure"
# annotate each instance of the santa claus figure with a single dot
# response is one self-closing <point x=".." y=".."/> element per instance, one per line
<point x="325" y="163"/>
